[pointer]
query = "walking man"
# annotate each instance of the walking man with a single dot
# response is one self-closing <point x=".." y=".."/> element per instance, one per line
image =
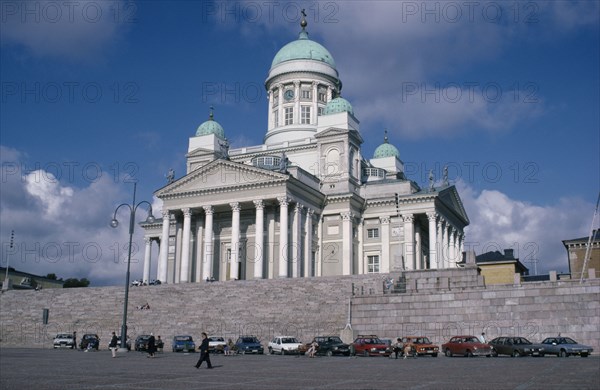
<point x="113" y="345"/>
<point x="151" y="345"/>
<point x="204" y="356"/>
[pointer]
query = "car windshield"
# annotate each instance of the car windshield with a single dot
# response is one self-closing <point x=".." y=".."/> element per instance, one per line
<point x="216" y="339"/>
<point x="90" y="336"/>
<point x="249" y="340"/>
<point x="422" y="340"/>
<point x="471" y="340"/>
<point x="288" y="340"/>
<point x="566" y="340"/>
<point x="64" y="336"/>
<point x="522" y="341"/>
<point x="183" y="338"/>
<point x="335" y="340"/>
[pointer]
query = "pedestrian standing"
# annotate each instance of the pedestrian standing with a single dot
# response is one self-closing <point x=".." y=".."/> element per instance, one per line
<point x="113" y="345"/>
<point x="75" y="340"/>
<point x="151" y="345"/>
<point x="204" y="356"/>
<point x="482" y="337"/>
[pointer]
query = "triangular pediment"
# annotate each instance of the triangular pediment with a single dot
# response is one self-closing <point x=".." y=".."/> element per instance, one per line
<point x="199" y="152"/>
<point x="449" y="196"/>
<point x="331" y="132"/>
<point x="218" y="175"/>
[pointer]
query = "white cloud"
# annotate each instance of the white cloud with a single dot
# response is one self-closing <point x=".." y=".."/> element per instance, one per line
<point x="77" y="30"/>
<point x="64" y="229"/>
<point x="535" y="232"/>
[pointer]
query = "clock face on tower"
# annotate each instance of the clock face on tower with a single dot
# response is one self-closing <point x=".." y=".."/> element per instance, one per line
<point x="289" y="94"/>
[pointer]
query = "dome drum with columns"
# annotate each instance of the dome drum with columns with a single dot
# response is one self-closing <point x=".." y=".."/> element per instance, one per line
<point x="307" y="202"/>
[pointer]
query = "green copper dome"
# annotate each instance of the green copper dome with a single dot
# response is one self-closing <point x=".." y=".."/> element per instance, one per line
<point x="303" y="49"/>
<point x="210" y="127"/>
<point x="386" y="149"/>
<point x="339" y="104"/>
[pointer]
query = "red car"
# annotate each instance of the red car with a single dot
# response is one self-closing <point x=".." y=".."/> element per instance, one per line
<point x="369" y="345"/>
<point x="466" y="346"/>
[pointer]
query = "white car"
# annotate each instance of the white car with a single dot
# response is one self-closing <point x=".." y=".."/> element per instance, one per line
<point x="64" y="340"/>
<point x="284" y="345"/>
<point x="216" y="344"/>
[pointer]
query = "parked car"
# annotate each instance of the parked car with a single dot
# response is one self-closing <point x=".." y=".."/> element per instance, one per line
<point x="137" y="282"/>
<point x="216" y="344"/>
<point x="421" y="346"/>
<point x="515" y="346"/>
<point x="331" y="345"/>
<point x="249" y="344"/>
<point x="466" y="346"/>
<point x="127" y="343"/>
<point x="141" y="342"/>
<point x="284" y="345"/>
<point x="183" y="343"/>
<point x="565" y="346"/>
<point x="90" y="341"/>
<point x="369" y="345"/>
<point x="64" y="340"/>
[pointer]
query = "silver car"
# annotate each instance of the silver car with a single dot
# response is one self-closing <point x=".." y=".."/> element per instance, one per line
<point x="565" y="346"/>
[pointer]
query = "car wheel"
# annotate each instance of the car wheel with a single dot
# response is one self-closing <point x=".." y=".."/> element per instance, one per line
<point x="352" y="351"/>
<point x="270" y="351"/>
<point x="366" y="354"/>
<point x="494" y="353"/>
<point x="516" y="353"/>
<point x="584" y="355"/>
<point x="448" y="353"/>
<point x="282" y="351"/>
<point x="330" y="353"/>
<point x="469" y="353"/>
<point x="563" y="353"/>
<point x="174" y="350"/>
<point x="434" y="355"/>
<point x="542" y="355"/>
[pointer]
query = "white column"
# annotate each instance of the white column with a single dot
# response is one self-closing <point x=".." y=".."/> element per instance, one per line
<point x="315" y="106"/>
<point x="185" y="246"/>
<point x="418" y="249"/>
<point x="270" y="124"/>
<point x="431" y="217"/>
<point x="445" y="247"/>
<point x="280" y="104"/>
<point x="207" y="263"/>
<point x="297" y="242"/>
<point x="385" y="261"/>
<point x="308" y="228"/>
<point x="283" y="236"/>
<point x="199" y="245"/>
<point x="453" y="248"/>
<point x="259" y="248"/>
<point x="271" y="244"/>
<point x="235" y="241"/>
<point x="164" y="247"/>
<point x="296" y="102"/>
<point x="462" y="242"/>
<point x="409" y="241"/>
<point x="347" y="241"/>
<point x="319" y="254"/>
<point x="361" y="247"/>
<point x="146" y="277"/>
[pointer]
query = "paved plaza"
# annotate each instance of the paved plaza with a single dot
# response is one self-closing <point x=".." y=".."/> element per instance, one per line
<point x="67" y="369"/>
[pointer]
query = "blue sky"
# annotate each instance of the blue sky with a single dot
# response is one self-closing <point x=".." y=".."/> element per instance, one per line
<point x="95" y="93"/>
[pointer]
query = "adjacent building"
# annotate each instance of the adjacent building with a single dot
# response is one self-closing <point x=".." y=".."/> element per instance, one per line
<point x="307" y="202"/>
<point x="576" y="251"/>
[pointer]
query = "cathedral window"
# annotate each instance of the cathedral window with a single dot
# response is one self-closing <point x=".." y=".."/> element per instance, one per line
<point x="305" y="115"/>
<point x="321" y="110"/>
<point x="373" y="264"/>
<point x="322" y="96"/>
<point x="373" y="233"/>
<point x="275" y="118"/>
<point x="289" y="115"/>
<point x="306" y="94"/>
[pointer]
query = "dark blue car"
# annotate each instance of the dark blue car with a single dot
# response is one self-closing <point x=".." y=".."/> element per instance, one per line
<point x="184" y="344"/>
<point x="249" y="344"/>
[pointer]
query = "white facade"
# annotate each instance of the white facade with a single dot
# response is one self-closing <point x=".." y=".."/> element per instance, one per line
<point x="305" y="203"/>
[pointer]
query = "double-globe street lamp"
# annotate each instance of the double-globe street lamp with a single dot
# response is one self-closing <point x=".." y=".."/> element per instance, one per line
<point x="114" y="223"/>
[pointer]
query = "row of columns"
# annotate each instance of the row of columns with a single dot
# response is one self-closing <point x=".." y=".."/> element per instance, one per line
<point x="300" y="252"/>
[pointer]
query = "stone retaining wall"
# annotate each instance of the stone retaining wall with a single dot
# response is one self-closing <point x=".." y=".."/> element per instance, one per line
<point x="437" y="303"/>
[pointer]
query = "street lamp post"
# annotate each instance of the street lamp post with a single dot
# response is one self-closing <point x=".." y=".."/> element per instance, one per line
<point x="114" y="223"/>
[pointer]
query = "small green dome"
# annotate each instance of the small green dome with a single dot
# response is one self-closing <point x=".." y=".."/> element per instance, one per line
<point x="303" y="49"/>
<point x="339" y="104"/>
<point x="386" y="149"/>
<point x="210" y="127"/>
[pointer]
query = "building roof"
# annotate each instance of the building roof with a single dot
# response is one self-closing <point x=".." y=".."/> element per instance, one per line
<point x="495" y="257"/>
<point x="210" y="127"/>
<point x="303" y="49"/>
<point x="386" y="149"/>
<point x="595" y="238"/>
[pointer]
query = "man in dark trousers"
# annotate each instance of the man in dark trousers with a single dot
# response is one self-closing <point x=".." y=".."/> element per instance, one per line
<point x="151" y="348"/>
<point x="204" y="357"/>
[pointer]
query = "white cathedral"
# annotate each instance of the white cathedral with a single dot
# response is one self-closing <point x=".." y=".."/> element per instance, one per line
<point x="305" y="203"/>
